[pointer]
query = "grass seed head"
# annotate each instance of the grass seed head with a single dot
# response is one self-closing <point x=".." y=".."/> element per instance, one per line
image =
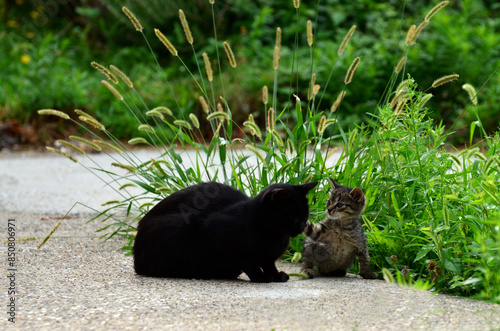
<point x="351" y="70"/>
<point x="291" y="148"/>
<point x="270" y="119"/>
<point x="488" y="164"/>
<point x="155" y="113"/>
<point x="62" y="153"/>
<point x="110" y="202"/>
<point x="346" y="39"/>
<point x="455" y="160"/>
<point x="208" y="67"/>
<point x="322" y="124"/>
<point x="130" y="168"/>
<point x="182" y="123"/>
<point x="146" y="128"/>
<point x="54" y="112"/>
<point x="265" y="95"/>
<point x="337" y="102"/>
<point x="166" y="42"/>
<point x="185" y="26"/>
<point x="127" y="185"/>
<point x="276" y="57"/>
<point x="104" y="71"/>
<point x="445" y="79"/>
<point x="133" y="19"/>
<point x="401" y="63"/>
<point x="278" y="37"/>
<point x="410" y="35"/>
<point x="398" y="96"/>
<point x="405" y="85"/>
<point x="435" y="9"/>
<point x="204" y="104"/>
<point x="296" y="4"/>
<point x="112" y="89"/>
<point x="108" y="145"/>
<point x="418" y="30"/>
<point x="122" y="76"/>
<point x="219" y="107"/>
<point x="162" y="110"/>
<point x="82" y="113"/>
<point x="423" y="100"/>
<point x="70" y="145"/>
<point x="316" y="89"/>
<point x="194" y="120"/>
<point x="401" y="105"/>
<point x="137" y="141"/>
<point x="87" y="142"/>
<point x="230" y="54"/>
<point x="277" y="139"/>
<point x="92" y="122"/>
<point x="220" y="115"/>
<point x="310" y="38"/>
<point x="472" y="93"/>
<point x="254" y="128"/>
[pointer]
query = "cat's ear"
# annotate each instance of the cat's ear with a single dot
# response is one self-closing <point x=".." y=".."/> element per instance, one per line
<point x="357" y="194"/>
<point x="308" y="186"/>
<point x="276" y="194"/>
<point x="333" y="183"/>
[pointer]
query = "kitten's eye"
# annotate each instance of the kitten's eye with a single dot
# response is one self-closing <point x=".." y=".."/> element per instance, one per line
<point x="339" y="205"/>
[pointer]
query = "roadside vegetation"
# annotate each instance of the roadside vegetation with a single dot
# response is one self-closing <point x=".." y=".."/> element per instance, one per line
<point x="291" y="87"/>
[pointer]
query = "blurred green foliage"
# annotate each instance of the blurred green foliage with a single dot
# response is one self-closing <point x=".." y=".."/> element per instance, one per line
<point x="47" y="48"/>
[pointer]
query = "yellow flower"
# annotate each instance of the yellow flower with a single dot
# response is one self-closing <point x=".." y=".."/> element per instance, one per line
<point x="25" y="59"/>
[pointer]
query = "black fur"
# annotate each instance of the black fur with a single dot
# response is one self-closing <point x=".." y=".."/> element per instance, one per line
<point x="211" y="230"/>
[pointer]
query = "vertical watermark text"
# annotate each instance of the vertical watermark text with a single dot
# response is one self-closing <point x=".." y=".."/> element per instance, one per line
<point x="11" y="270"/>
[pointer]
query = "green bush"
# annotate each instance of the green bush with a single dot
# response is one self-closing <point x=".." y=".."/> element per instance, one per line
<point x="102" y="33"/>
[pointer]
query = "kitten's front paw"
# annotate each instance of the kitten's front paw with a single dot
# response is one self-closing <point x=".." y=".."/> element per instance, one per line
<point x="309" y="273"/>
<point x="308" y="229"/>
<point x="281" y="277"/>
<point x="368" y="275"/>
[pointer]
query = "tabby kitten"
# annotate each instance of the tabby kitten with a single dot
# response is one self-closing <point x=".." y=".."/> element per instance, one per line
<point x="332" y="244"/>
<point x="211" y="230"/>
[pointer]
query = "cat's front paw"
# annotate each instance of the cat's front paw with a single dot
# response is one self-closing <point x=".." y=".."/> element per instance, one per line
<point x="368" y="275"/>
<point x="281" y="277"/>
<point x="262" y="278"/>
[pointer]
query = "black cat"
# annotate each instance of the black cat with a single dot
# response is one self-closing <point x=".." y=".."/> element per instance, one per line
<point x="211" y="230"/>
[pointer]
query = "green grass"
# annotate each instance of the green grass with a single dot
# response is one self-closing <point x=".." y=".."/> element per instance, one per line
<point x="432" y="217"/>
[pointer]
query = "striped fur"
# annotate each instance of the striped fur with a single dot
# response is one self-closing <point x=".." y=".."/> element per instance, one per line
<point x="333" y="244"/>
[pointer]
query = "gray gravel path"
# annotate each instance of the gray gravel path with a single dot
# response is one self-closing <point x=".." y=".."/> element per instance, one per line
<point x="77" y="282"/>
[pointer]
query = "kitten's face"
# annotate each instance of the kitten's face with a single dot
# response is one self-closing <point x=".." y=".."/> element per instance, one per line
<point x="344" y="201"/>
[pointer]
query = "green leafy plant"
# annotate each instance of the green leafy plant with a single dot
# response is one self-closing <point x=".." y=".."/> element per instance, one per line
<point x="431" y="216"/>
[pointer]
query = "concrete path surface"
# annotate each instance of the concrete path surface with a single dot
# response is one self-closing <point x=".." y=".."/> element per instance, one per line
<point x="78" y="282"/>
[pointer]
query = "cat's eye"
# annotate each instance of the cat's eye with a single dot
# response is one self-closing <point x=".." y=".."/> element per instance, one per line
<point x="339" y="205"/>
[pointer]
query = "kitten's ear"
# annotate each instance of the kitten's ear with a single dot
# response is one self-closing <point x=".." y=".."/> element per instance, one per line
<point x="357" y="194"/>
<point x="276" y="194"/>
<point x="308" y="186"/>
<point x="334" y="183"/>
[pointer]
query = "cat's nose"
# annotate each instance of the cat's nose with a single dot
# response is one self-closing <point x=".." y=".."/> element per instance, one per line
<point x="330" y="208"/>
